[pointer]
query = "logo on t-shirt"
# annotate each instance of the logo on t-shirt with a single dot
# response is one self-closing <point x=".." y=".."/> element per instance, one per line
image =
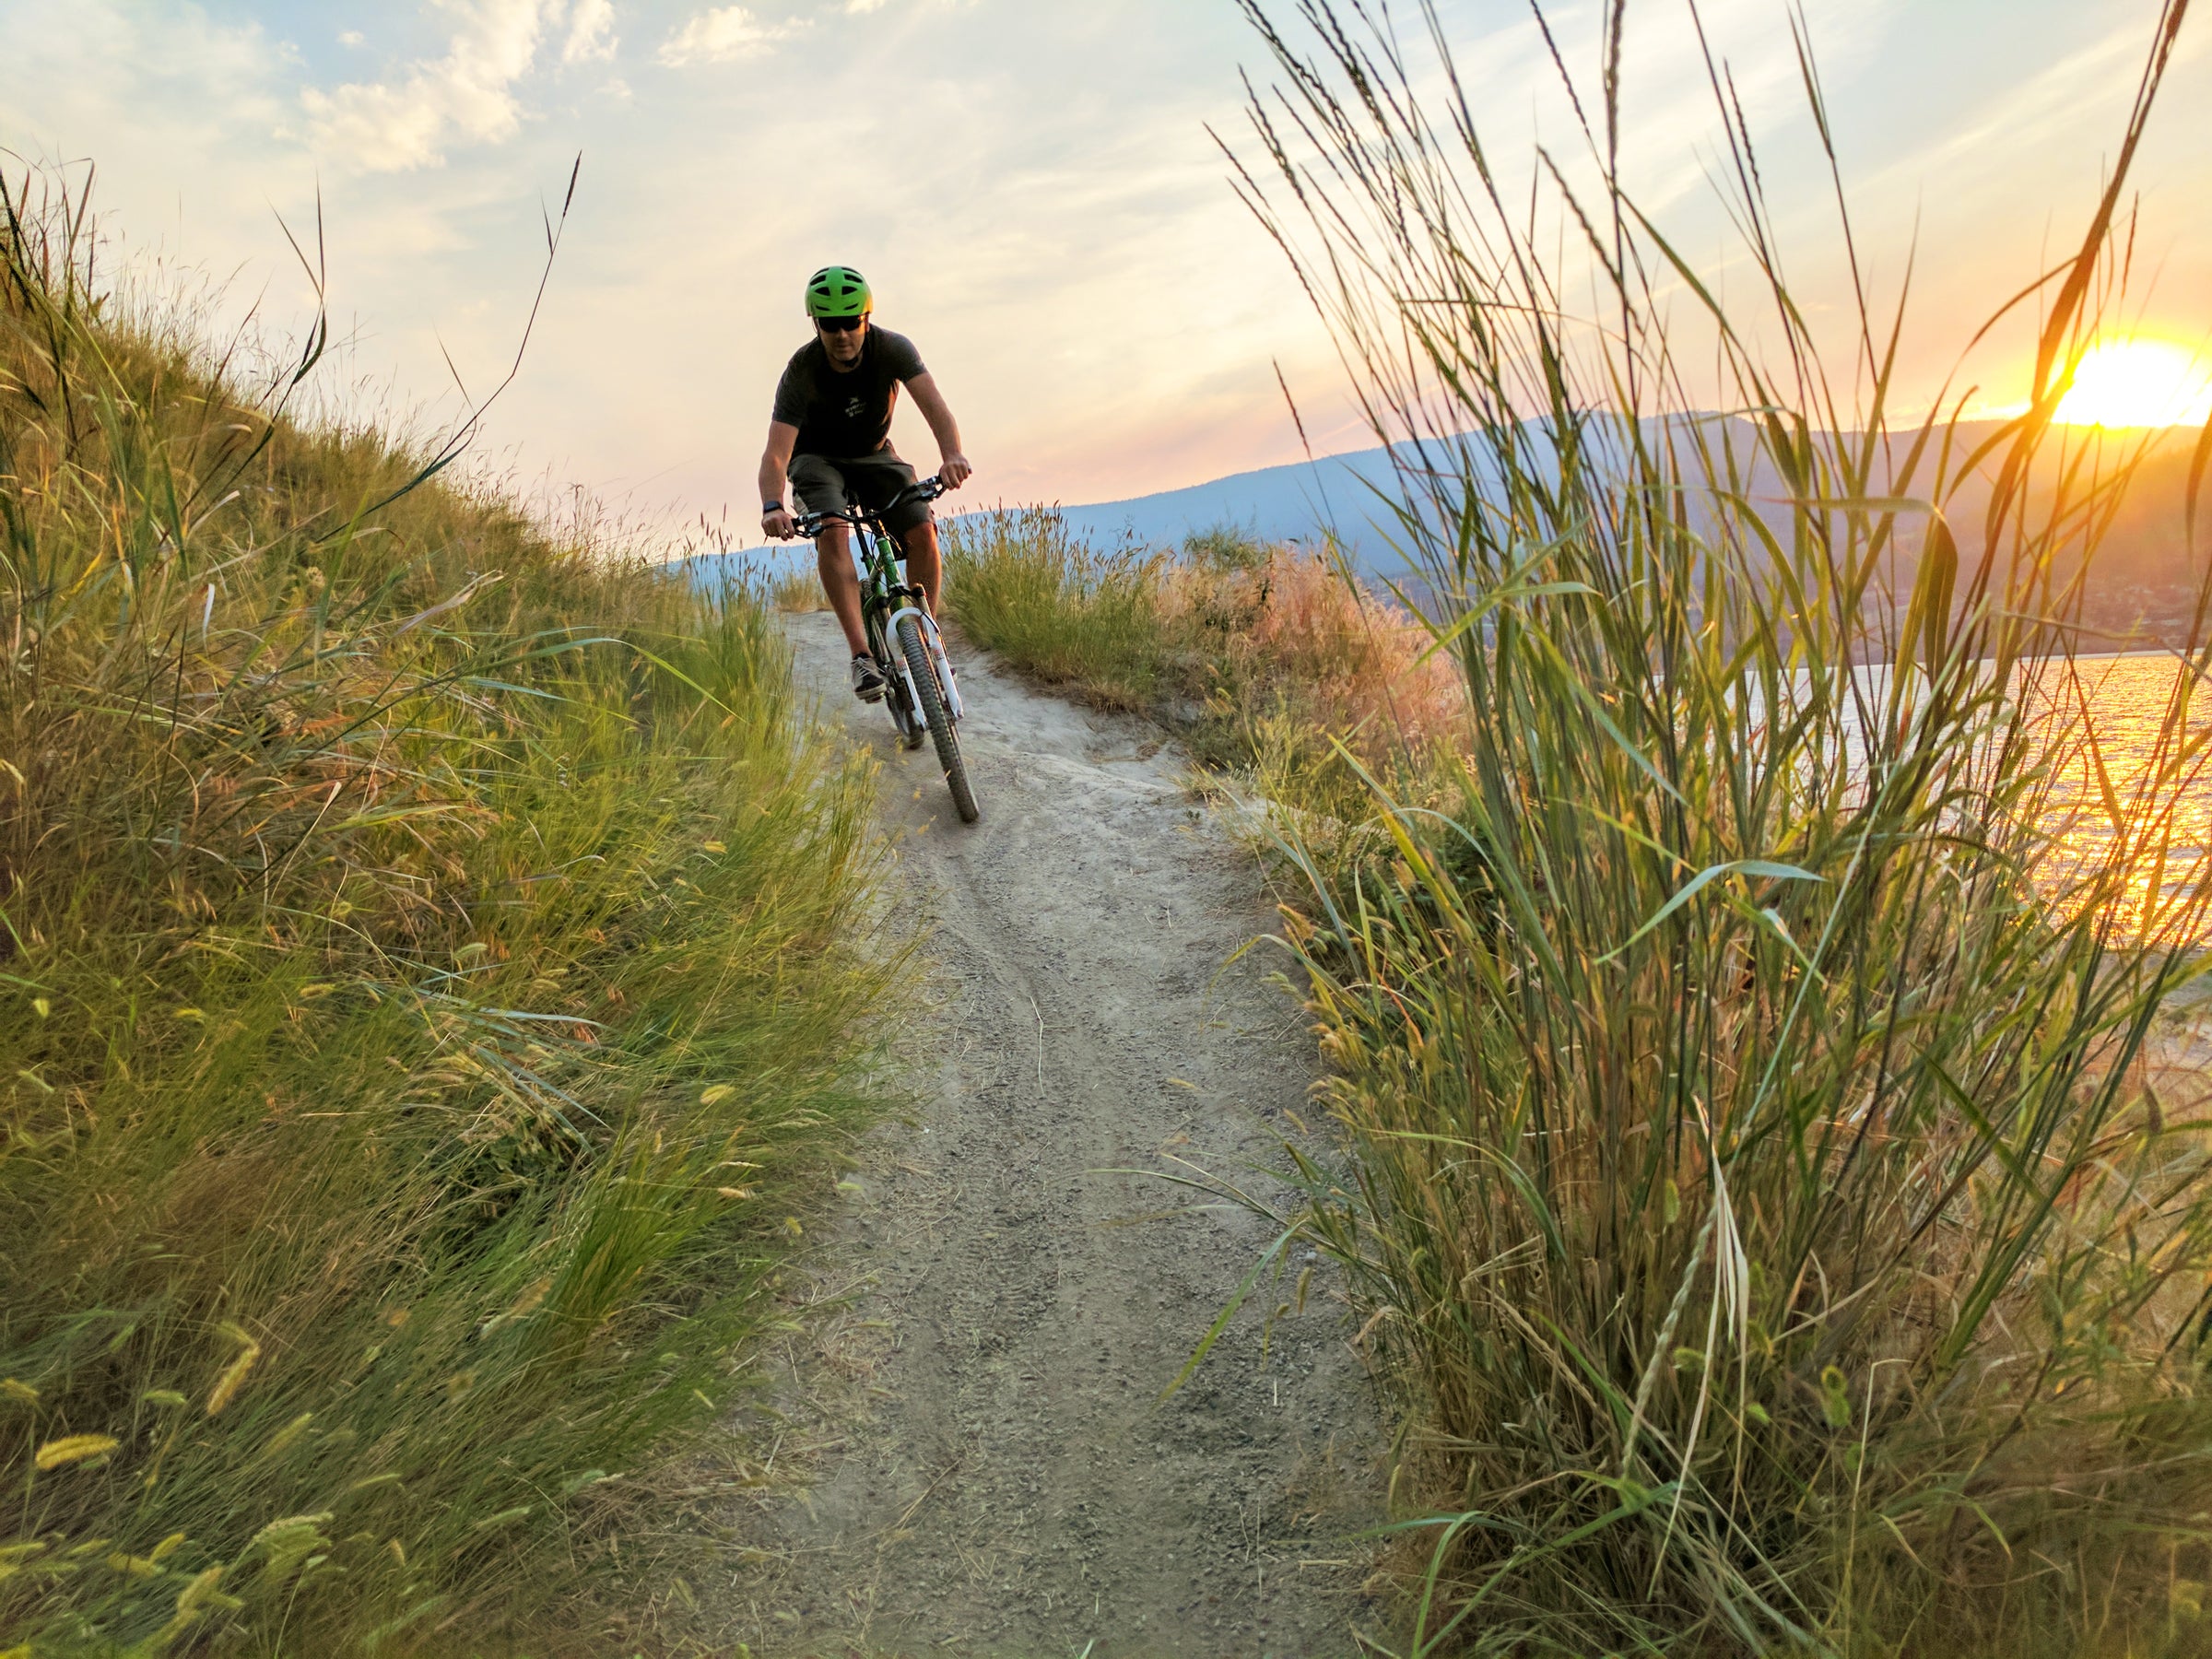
<point x="854" y="408"/>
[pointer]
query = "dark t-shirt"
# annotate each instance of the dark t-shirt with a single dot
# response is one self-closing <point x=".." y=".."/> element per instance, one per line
<point x="847" y="414"/>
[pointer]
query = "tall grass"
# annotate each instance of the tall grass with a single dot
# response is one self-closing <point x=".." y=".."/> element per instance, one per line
<point x="434" y="968"/>
<point x="1754" y="1192"/>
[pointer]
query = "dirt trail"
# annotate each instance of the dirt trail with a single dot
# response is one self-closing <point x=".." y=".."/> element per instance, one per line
<point x="994" y="1473"/>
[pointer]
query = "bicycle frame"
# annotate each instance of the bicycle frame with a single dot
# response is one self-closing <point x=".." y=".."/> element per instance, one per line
<point x="885" y="599"/>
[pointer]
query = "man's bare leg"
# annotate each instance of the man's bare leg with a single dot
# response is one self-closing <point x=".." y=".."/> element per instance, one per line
<point x="924" y="564"/>
<point x="841" y="585"/>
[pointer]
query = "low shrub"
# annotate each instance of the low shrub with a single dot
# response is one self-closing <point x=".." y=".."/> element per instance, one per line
<point x="1264" y="657"/>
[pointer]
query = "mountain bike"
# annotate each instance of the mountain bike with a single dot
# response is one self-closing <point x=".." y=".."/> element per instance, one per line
<point x="922" y="694"/>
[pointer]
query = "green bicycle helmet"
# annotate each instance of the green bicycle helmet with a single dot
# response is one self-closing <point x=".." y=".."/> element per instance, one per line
<point x="839" y="291"/>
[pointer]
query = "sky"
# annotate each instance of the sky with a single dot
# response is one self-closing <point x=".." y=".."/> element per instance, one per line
<point x="1030" y="186"/>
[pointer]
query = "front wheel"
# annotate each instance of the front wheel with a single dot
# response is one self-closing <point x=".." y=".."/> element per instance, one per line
<point x="937" y="718"/>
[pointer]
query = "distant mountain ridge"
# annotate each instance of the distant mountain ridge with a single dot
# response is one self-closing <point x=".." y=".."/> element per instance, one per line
<point x="1294" y="502"/>
<point x="2147" y="575"/>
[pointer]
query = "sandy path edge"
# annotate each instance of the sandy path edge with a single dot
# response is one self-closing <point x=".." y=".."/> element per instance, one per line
<point x="992" y="1472"/>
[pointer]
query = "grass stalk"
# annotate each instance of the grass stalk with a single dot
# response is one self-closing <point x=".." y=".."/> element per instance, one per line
<point x="1749" y="1052"/>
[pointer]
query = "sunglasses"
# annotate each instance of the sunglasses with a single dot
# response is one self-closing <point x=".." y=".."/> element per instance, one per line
<point x="840" y="324"/>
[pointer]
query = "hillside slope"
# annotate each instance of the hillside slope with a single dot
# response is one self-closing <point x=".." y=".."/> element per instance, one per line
<point x="436" y="964"/>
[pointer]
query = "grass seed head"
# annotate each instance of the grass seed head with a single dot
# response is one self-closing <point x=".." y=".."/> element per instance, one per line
<point x="74" y="1448"/>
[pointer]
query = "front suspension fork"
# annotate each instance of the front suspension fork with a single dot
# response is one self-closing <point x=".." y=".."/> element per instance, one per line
<point x="934" y="642"/>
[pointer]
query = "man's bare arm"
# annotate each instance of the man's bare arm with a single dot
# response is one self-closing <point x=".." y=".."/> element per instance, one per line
<point x="953" y="467"/>
<point x="775" y="471"/>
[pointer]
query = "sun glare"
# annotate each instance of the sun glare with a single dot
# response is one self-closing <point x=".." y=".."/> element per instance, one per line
<point x="2138" y="384"/>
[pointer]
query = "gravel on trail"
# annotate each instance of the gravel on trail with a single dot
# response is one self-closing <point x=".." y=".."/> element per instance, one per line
<point x="987" y="1465"/>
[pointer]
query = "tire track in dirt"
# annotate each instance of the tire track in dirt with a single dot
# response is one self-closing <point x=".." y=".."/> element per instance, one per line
<point x="998" y="1476"/>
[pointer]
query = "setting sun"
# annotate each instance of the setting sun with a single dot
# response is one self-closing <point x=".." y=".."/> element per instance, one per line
<point x="2138" y="384"/>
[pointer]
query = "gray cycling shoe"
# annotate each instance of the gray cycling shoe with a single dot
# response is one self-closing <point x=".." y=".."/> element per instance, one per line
<point x="867" y="679"/>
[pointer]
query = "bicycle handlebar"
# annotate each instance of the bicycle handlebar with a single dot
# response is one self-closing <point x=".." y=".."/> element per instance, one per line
<point x="806" y="525"/>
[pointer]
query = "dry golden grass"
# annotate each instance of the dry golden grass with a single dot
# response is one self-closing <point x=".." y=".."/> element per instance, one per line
<point x="798" y="590"/>
<point x="1289" y="629"/>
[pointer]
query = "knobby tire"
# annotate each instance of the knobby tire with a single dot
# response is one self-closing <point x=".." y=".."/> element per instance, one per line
<point x="938" y="719"/>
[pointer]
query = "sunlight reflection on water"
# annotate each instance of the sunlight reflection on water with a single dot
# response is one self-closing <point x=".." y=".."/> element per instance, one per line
<point x="2122" y="785"/>
<point x="2168" y="819"/>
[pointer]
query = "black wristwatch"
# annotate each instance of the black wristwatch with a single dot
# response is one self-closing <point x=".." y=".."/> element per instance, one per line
<point x="769" y="507"/>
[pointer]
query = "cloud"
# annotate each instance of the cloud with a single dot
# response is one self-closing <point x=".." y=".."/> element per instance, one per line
<point x="591" y="32"/>
<point x="134" y="85"/>
<point x="467" y="96"/>
<point x="724" y="36"/>
<point x="1029" y="174"/>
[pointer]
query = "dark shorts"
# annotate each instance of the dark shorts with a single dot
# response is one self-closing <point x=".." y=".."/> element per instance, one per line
<point x="824" y="485"/>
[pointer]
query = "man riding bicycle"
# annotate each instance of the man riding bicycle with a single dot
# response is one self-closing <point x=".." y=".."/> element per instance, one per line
<point x="829" y="438"/>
